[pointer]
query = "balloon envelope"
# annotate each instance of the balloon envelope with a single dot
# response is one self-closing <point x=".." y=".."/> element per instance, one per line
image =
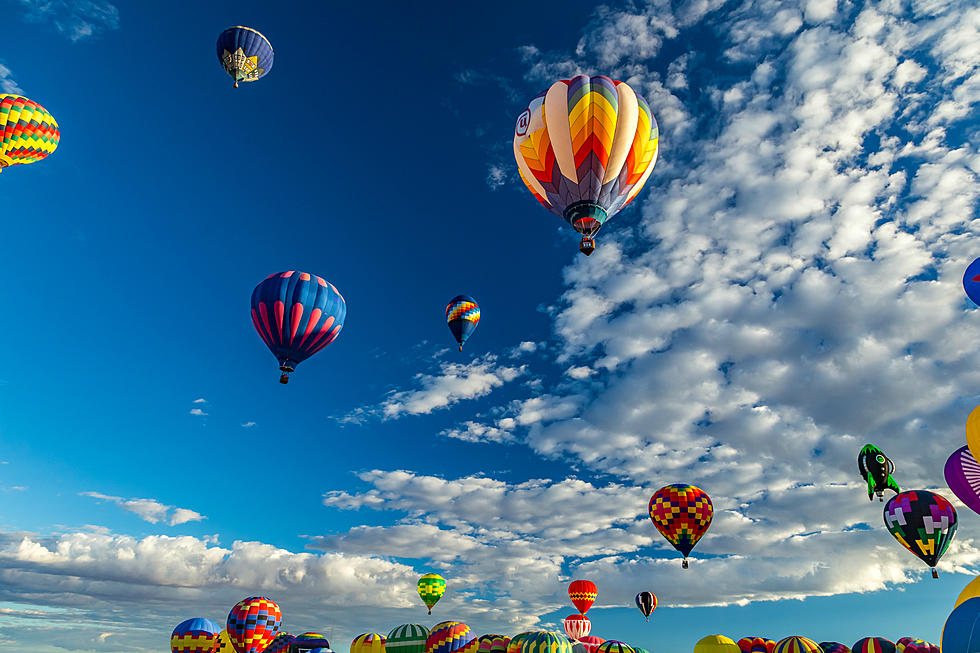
<point x="451" y="637"/>
<point x="308" y="642"/>
<point x="923" y="522"/>
<point x="546" y="641"/>
<point x="962" y="629"/>
<point x="963" y="477"/>
<point x="971" y="281"/>
<point x="195" y="636"/>
<point x="646" y="602"/>
<point x="682" y="513"/>
<point x="973" y="432"/>
<point x="715" y="644"/>
<point x="491" y="643"/>
<point x="577" y="626"/>
<point x="613" y="646"/>
<point x="431" y="587"/>
<point x="971" y="590"/>
<point x="28" y="133"/>
<point x="591" y="643"/>
<point x="462" y="316"/>
<point x="797" y="644"/>
<point x="583" y="594"/>
<point x="408" y="638"/>
<point x="873" y="645"/>
<point x="368" y="643"/>
<point x="756" y="645"/>
<point x="585" y="147"/>
<point x="297" y="314"/>
<point x="253" y="623"/>
<point x="244" y="53"/>
<point x="834" y="647"/>
<point x="281" y="644"/>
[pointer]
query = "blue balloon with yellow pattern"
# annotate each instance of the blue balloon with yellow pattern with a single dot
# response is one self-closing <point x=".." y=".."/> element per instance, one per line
<point x="244" y="53"/>
<point x="195" y="636"/>
<point x="462" y="316"/>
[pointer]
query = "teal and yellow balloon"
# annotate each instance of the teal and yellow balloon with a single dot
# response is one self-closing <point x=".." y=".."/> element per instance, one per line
<point x="431" y="588"/>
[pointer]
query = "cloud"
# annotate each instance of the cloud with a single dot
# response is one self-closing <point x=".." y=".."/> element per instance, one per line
<point x="198" y="412"/>
<point x="497" y="175"/>
<point x="7" y="83"/>
<point x="248" y="425"/>
<point x="200" y="400"/>
<point x="76" y="19"/>
<point x="150" y="510"/>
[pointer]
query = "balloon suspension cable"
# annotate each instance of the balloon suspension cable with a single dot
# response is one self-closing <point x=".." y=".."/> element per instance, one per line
<point x="935" y="574"/>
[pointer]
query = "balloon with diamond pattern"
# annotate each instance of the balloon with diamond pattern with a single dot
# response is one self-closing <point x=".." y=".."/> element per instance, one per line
<point x="28" y="133"/>
<point x="682" y="513"/>
<point x="451" y="637"/>
<point x="583" y="594"/>
<point x="253" y="623"/>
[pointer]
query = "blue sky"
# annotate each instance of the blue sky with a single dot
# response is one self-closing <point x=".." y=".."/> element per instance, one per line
<point x="786" y="288"/>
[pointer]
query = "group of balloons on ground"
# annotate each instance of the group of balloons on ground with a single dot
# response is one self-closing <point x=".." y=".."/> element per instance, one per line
<point x="799" y="644"/>
<point x="584" y="148"/>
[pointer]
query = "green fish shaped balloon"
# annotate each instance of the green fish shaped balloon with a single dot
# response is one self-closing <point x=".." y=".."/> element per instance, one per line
<point x="877" y="468"/>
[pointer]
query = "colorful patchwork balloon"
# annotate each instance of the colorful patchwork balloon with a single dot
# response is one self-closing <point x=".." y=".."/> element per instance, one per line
<point x="584" y="148"/>
<point x="493" y="643"/>
<point x="408" y="638"/>
<point x="902" y="642"/>
<point x="280" y="644"/>
<point x="756" y="645"/>
<point x="583" y="594"/>
<point x="223" y="644"/>
<point x="546" y="641"/>
<point x="962" y="474"/>
<point x="462" y="316"/>
<point x="613" y="646"/>
<point x="431" y="588"/>
<point x="682" y="513"/>
<point x="28" y="132"/>
<point x="309" y="641"/>
<point x="646" y="603"/>
<point x="245" y="54"/>
<point x="797" y="644"/>
<point x="873" y="644"/>
<point x="195" y="636"/>
<point x="591" y="643"/>
<point x="834" y="647"/>
<point x="368" y="643"/>
<point x="922" y="522"/>
<point x="451" y="637"/>
<point x="253" y="623"/>
<point x="514" y="646"/>
<point x="577" y="626"/>
<point x="297" y="314"/>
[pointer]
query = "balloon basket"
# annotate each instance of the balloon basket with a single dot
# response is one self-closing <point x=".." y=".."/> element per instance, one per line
<point x="935" y="574"/>
<point x="684" y="564"/>
<point x="284" y="379"/>
<point x="587" y="246"/>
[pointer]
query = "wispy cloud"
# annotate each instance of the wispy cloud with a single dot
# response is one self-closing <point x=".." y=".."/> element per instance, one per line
<point x="76" y="19"/>
<point x="150" y="510"/>
<point x="248" y="425"/>
<point x="7" y="83"/>
<point x="497" y="175"/>
<point x="197" y="411"/>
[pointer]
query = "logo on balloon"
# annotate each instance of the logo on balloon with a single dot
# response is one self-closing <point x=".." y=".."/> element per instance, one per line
<point x="523" y="122"/>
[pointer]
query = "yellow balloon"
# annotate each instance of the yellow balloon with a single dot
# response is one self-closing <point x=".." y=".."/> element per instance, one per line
<point x="716" y="644"/>
<point x="971" y="590"/>
<point x="973" y="432"/>
<point x="224" y="644"/>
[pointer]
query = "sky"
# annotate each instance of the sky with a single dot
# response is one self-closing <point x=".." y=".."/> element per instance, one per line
<point x="786" y="288"/>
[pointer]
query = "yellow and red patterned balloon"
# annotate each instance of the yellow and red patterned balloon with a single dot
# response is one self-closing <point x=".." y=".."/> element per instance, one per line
<point x="682" y="513"/>
<point x="28" y="133"/>
<point x="452" y="637"/>
<point x="368" y="643"/>
<point x="584" y="148"/>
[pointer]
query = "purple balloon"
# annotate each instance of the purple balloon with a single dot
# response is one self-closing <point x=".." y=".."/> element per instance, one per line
<point x="963" y="477"/>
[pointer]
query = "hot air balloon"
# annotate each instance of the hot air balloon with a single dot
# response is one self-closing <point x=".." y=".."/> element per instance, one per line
<point x="756" y="645"/>
<point x="873" y="644"/>
<point x="514" y="646"/>
<point x="368" y="643"/>
<point x="797" y="644"/>
<point x="971" y="281"/>
<point x="244" y="53"/>
<point x="584" y="148"/>
<point x="961" y="631"/>
<point x="451" y="637"/>
<point x="280" y="644"/>
<point x="591" y="643"/>
<point x="195" y="636"/>
<point x="431" y="588"/>
<point x="253" y="623"/>
<point x="877" y="468"/>
<point x="682" y="513"/>
<point x="297" y="314"/>
<point x="637" y="649"/>
<point x="647" y="603"/>
<point x="834" y="647"/>
<point x="408" y="638"/>
<point x="613" y="646"/>
<point x="583" y="594"/>
<point x="971" y="590"/>
<point x="963" y="477"/>
<point x="29" y="133"/>
<point x="309" y="642"/>
<point x="973" y="432"/>
<point x="493" y="643"/>
<point x="921" y="646"/>
<point x="462" y="316"/>
<point x="314" y="650"/>
<point x="577" y="626"/>
<point x="224" y="644"/>
<point x="545" y="641"/>
<point x="715" y="644"/>
<point x="902" y="642"/>
<point x="923" y="522"/>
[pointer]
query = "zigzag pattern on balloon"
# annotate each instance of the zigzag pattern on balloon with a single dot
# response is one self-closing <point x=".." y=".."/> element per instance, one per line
<point x="451" y="637"/>
<point x="546" y="641"/>
<point x="29" y="133"/>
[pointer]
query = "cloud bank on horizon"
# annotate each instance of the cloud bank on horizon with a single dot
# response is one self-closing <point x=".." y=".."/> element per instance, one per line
<point x="788" y="290"/>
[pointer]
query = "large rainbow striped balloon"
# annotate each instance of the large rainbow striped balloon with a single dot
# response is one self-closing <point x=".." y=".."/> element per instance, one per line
<point x="584" y="148"/>
<point x="28" y="132"/>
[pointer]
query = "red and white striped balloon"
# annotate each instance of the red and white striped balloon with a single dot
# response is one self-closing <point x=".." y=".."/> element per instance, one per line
<point x="577" y="626"/>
